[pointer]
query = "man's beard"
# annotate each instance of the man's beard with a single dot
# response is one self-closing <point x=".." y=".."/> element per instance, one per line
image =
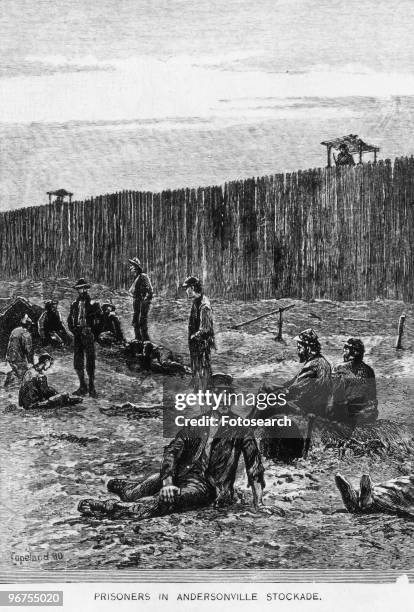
<point x="303" y="357"/>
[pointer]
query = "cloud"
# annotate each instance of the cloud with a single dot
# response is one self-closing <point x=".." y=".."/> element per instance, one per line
<point x="60" y="61"/>
<point x="146" y="88"/>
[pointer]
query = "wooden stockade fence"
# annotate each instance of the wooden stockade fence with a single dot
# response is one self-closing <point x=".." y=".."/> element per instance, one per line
<point x="343" y="233"/>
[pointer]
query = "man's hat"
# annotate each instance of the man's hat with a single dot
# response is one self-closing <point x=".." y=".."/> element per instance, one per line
<point x="190" y="281"/>
<point x="26" y="320"/>
<point x="307" y="336"/>
<point x="44" y="356"/>
<point x="343" y="146"/>
<point x="108" y="305"/>
<point x="135" y="262"/>
<point x="82" y="284"/>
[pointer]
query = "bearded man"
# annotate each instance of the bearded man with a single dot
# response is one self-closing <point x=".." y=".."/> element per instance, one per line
<point x="355" y="393"/>
<point x="310" y="391"/>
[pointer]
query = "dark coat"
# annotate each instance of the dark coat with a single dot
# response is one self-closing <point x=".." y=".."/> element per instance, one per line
<point x="92" y="313"/>
<point x="311" y="388"/>
<point x="185" y="456"/>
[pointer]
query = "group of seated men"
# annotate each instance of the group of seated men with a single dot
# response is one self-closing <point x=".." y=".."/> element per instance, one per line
<point x="34" y="389"/>
<point x="199" y="465"/>
<point x="52" y="331"/>
<point x="346" y="393"/>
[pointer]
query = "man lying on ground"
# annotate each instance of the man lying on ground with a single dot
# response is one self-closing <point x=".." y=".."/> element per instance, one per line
<point x="150" y="356"/>
<point x="198" y="468"/>
<point x="355" y="394"/>
<point x="394" y="496"/>
<point x="35" y="391"/>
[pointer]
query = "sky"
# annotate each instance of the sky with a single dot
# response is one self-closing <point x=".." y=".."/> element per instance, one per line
<point x="101" y="96"/>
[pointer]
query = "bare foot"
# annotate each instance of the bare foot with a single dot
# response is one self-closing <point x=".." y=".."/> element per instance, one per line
<point x="348" y="493"/>
<point x="365" y="492"/>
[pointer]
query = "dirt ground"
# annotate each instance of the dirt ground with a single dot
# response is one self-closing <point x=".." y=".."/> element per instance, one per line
<point x="49" y="462"/>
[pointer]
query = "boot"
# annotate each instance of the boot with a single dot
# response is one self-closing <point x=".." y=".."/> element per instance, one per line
<point x="92" y="390"/>
<point x="83" y="389"/>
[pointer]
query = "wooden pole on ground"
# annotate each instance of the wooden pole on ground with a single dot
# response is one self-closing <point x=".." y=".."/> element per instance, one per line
<point x="267" y="314"/>
<point x="400" y="331"/>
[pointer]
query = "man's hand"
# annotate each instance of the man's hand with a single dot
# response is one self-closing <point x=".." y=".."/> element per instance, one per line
<point x="169" y="493"/>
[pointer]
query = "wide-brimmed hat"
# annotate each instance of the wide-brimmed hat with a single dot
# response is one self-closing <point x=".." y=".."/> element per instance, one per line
<point x="108" y="305"/>
<point x="135" y="262"/>
<point x="190" y="281"/>
<point x="82" y="284"/>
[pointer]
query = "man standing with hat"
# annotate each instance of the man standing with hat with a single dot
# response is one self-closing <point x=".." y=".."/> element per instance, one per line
<point x="81" y="324"/>
<point x="20" y="348"/>
<point x="200" y="333"/>
<point x="142" y="292"/>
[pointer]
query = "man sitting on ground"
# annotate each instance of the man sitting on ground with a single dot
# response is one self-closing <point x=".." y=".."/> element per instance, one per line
<point x="310" y="390"/>
<point x="110" y="330"/>
<point x="50" y="325"/>
<point x="198" y="468"/>
<point x="355" y="394"/>
<point x="35" y="391"/>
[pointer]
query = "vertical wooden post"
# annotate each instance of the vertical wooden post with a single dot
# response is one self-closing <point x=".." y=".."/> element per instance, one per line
<point x="375" y="156"/>
<point x="279" y="337"/>
<point x="328" y="152"/>
<point x="360" y="153"/>
<point x="400" y="331"/>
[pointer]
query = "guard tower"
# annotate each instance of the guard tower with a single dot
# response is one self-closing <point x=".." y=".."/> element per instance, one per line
<point x="354" y="144"/>
<point x="60" y="195"/>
